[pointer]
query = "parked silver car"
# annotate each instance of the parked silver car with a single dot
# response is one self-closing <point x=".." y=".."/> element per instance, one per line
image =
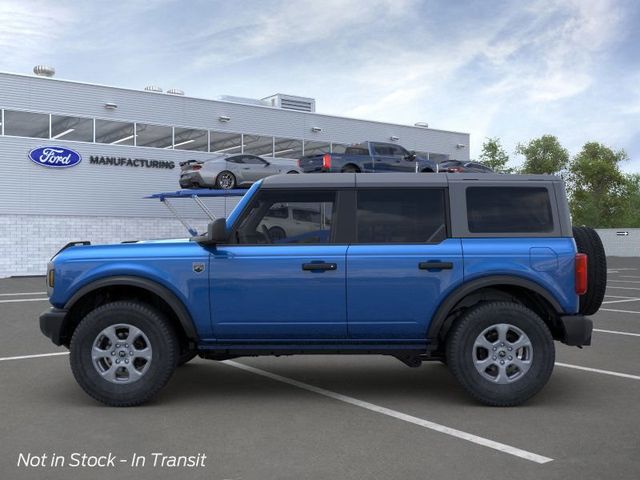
<point x="230" y="171"/>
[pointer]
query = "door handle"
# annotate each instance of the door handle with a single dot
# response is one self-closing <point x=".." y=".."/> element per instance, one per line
<point x="314" y="267"/>
<point x="435" y="265"/>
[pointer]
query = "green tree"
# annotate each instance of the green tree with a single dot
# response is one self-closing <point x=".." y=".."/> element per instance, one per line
<point x="631" y="215"/>
<point x="600" y="192"/>
<point x="543" y="155"/>
<point x="494" y="156"/>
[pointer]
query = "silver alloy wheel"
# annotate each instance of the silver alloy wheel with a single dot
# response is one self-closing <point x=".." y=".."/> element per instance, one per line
<point x="225" y="180"/>
<point x="502" y="353"/>
<point x="121" y="353"/>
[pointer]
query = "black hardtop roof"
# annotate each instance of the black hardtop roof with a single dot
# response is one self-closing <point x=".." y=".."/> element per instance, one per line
<point x="344" y="180"/>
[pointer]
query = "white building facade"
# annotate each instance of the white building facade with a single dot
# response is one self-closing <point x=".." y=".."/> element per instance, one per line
<point x="130" y="144"/>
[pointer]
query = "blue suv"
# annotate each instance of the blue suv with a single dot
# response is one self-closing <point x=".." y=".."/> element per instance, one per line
<point x="482" y="272"/>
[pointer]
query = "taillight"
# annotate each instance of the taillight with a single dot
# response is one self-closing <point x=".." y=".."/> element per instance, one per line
<point x="196" y="167"/>
<point x="581" y="273"/>
<point x="326" y="161"/>
<point x="299" y="163"/>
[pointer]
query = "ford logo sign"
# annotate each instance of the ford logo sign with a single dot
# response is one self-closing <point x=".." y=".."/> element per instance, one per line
<point x="55" y="157"/>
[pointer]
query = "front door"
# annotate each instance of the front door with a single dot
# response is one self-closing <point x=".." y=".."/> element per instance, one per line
<point x="401" y="264"/>
<point x="280" y="281"/>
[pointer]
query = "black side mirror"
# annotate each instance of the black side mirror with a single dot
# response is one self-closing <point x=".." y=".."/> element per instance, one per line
<point x="216" y="233"/>
<point x="411" y="157"/>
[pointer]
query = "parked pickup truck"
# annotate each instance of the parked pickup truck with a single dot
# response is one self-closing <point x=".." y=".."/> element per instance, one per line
<point x="479" y="271"/>
<point x="368" y="157"/>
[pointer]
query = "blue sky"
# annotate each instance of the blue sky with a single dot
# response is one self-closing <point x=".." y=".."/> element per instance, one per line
<point x="515" y="70"/>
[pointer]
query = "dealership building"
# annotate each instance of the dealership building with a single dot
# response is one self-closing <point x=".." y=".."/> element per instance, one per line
<point x="129" y="144"/>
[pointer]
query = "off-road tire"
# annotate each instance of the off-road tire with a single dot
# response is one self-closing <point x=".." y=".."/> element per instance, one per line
<point x="588" y="241"/>
<point x="460" y="353"/>
<point x="186" y="356"/>
<point x="350" y="169"/>
<point x="161" y="336"/>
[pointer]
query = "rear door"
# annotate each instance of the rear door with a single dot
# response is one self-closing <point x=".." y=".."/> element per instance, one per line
<point x="279" y="282"/>
<point x="401" y="264"/>
<point x="392" y="158"/>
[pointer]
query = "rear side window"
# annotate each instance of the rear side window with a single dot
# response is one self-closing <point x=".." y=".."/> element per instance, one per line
<point x="401" y="216"/>
<point x="509" y="210"/>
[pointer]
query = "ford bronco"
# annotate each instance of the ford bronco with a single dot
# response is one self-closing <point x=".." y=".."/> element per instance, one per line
<point x="482" y="272"/>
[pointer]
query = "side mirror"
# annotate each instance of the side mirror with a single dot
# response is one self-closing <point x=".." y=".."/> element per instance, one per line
<point x="411" y="157"/>
<point x="216" y="233"/>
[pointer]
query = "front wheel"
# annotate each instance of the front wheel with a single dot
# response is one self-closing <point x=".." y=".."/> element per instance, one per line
<point x="501" y="352"/>
<point x="123" y="353"/>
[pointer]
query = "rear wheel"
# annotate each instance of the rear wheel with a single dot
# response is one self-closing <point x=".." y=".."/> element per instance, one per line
<point x="502" y="353"/>
<point x="123" y="353"/>
<point x="350" y="169"/>
<point x="225" y="180"/>
<point x="588" y="242"/>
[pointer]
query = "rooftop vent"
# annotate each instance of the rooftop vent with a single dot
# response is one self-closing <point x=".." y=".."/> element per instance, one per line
<point x="153" y="88"/>
<point x="243" y="100"/>
<point x="291" y="102"/>
<point x="175" y="91"/>
<point x="44" y="71"/>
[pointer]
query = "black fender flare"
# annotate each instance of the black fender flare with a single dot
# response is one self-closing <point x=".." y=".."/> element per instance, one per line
<point x="178" y="307"/>
<point x="439" y="319"/>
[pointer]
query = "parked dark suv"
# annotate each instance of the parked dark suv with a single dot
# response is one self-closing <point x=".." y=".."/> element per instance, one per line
<point x="482" y="272"/>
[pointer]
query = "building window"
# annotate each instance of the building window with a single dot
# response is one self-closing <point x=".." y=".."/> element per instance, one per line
<point x="316" y="148"/>
<point x="115" y="133"/>
<point x="191" y="139"/>
<point x="224" y="142"/>
<point x="157" y="136"/>
<point x="71" y="128"/>
<point x="287" y="148"/>
<point x="26" y="124"/>
<point x="400" y="216"/>
<point x="258" y="145"/>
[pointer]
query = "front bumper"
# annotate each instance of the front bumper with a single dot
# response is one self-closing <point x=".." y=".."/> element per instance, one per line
<point x="52" y="323"/>
<point x="576" y="330"/>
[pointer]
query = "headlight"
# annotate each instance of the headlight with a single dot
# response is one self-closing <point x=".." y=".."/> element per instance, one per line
<point x="51" y="278"/>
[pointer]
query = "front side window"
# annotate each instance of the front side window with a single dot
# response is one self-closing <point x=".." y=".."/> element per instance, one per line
<point x="509" y="210"/>
<point x="401" y="216"/>
<point x="288" y="218"/>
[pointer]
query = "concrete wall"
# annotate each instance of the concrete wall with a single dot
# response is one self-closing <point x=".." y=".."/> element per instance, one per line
<point x="616" y="244"/>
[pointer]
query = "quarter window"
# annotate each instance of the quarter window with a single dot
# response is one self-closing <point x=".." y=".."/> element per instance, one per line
<point x="401" y="216"/>
<point x="289" y="218"/>
<point x="509" y="210"/>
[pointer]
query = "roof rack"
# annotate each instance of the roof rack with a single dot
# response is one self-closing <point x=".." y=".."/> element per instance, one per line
<point x="195" y="195"/>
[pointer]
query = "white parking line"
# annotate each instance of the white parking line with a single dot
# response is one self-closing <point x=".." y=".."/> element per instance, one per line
<point x="622" y="301"/>
<point x="24" y="357"/>
<point x="624" y="281"/>
<point x="24" y="293"/>
<point x="597" y="370"/>
<point x="485" y="442"/>
<point x="629" y="276"/>
<point x="616" y="332"/>
<point x="622" y="288"/>
<point x="18" y="300"/>
<point x="618" y="311"/>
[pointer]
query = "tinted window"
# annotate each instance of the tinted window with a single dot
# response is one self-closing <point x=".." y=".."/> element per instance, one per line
<point x="222" y="142"/>
<point x="157" y="136"/>
<point x="239" y="159"/>
<point x="115" y="133"/>
<point x="269" y="222"/>
<point x="253" y="160"/>
<point x="26" y="124"/>
<point x="190" y="139"/>
<point x="357" y="151"/>
<point x="71" y="128"/>
<point x="401" y="216"/>
<point x="509" y="210"/>
<point x="258" y="145"/>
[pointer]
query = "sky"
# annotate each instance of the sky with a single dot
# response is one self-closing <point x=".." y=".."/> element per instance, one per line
<point x="513" y="70"/>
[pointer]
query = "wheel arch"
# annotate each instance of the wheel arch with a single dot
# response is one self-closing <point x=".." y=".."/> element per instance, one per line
<point x="113" y="288"/>
<point x="352" y="165"/>
<point x="498" y="287"/>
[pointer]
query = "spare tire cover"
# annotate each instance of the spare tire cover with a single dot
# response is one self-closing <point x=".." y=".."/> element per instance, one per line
<point x="588" y="242"/>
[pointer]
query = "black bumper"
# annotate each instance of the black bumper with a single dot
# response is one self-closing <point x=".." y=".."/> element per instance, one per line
<point x="52" y="324"/>
<point x="576" y="330"/>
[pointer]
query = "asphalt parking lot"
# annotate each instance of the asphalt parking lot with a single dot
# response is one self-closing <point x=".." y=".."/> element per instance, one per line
<point x="317" y="417"/>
